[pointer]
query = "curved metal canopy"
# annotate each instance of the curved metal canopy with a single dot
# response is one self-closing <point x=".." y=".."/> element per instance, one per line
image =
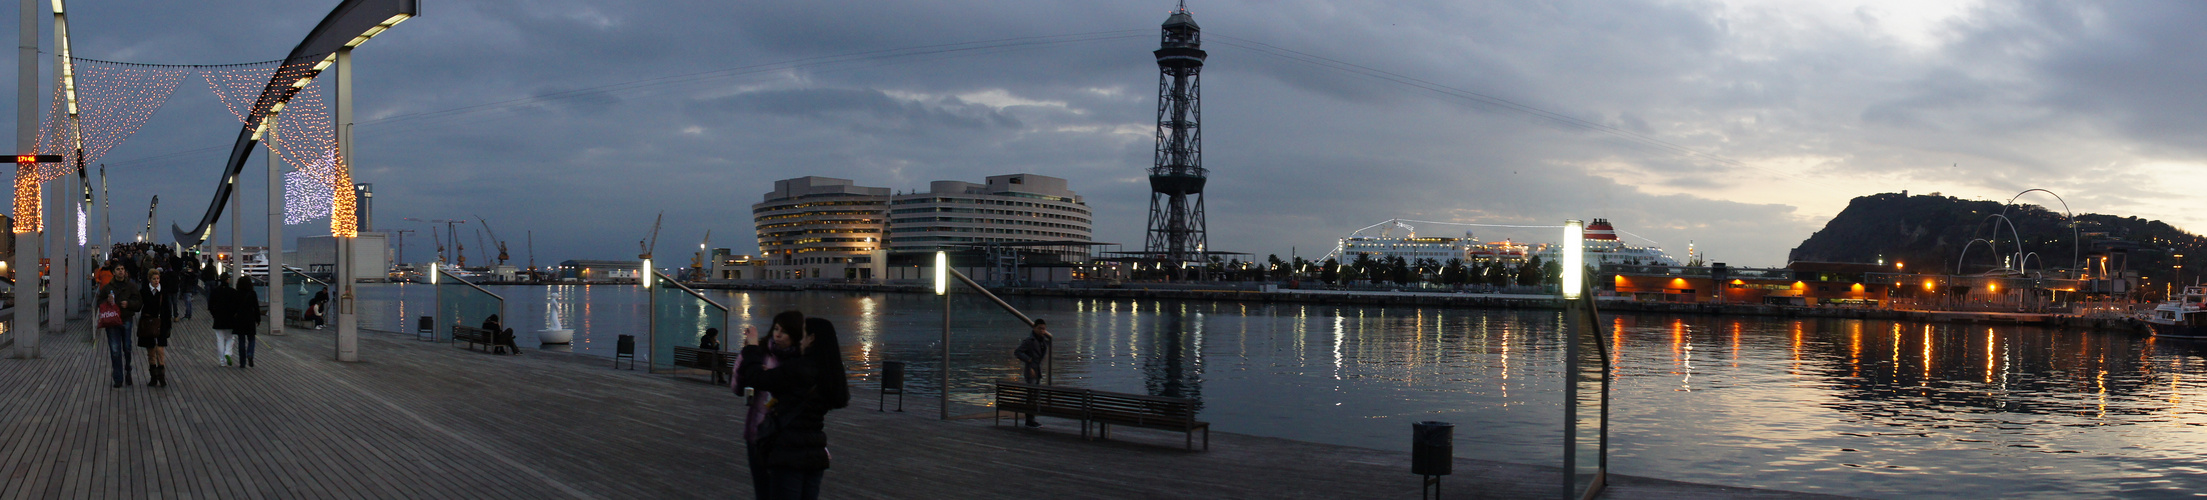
<point x="353" y="22"/>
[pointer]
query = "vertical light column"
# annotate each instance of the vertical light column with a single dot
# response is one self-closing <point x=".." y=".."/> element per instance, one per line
<point x="275" y="249"/>
<point x="25" y="326"/>
<point x="343" y="226"/>
<point x="942" y="288"/>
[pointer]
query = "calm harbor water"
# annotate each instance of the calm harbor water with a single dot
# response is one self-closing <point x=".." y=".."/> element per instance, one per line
<point x="1868" y="408"/>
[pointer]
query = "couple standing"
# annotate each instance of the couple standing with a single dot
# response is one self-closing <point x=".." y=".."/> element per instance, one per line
<point x="792" y="377"/>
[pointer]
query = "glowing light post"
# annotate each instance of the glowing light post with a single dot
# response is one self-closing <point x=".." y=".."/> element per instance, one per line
<point x="61" y="301"/>
<point x="27" y="220"/>
<point x="942" y="288"/>
<point x="943" y="274"/>
<point x="344" y="208"/>
<point x="1587" y="362"/>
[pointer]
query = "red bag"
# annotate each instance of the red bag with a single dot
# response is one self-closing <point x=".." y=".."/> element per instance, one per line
<point x="111" y="315"/>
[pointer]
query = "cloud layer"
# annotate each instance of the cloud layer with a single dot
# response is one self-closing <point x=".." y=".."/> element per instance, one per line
<point x="1739" y="126"/>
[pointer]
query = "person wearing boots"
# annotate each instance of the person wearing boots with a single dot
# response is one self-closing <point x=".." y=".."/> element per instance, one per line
<point x="153" y="326"/>
<point x="122" y="292"/>
<point x="245" y="316"/>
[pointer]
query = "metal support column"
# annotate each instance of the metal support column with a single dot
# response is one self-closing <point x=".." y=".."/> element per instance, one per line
<point x="275" y="249"/>
<point x="348" y="325"/>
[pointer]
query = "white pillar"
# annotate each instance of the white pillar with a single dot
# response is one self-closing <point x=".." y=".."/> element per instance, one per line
<point x="237" y="242"/>
<point x="25" y="326"/>
<point x="348" y="326"/>
<point x="275" y="250"/>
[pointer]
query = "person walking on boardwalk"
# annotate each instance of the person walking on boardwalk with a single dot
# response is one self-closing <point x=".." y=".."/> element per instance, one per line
<point x="153" y="326"/>
<point x="245" y="316"/>
<point x="218" y="309"/>
<point x="762" y="352"/>
<point x="187" y="286"/>
<point x="1032" y="353"/>
<point x="806" y="388"/>
<point x="123" y="294"/>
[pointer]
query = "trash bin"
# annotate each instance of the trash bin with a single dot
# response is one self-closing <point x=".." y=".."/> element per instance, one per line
<point x="1432" y="448"/>
<point x="892" y="382"/>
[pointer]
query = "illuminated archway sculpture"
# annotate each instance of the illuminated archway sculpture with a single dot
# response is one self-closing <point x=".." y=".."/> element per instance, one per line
<point x="352" y="23"/>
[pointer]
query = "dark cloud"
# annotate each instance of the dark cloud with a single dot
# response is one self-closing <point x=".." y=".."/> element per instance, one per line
<point x="581" y="120"/>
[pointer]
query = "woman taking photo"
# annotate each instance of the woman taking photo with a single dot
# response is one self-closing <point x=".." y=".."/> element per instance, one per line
<point x="805" y="389"/>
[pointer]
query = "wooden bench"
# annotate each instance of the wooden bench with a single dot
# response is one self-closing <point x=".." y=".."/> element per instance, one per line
<point x="1103" y="409"/>
<point x="1043" y="400"/>
<point x="717" y="362"/>
<point x="1150" y="412"/>
<point x="473" y="336"/>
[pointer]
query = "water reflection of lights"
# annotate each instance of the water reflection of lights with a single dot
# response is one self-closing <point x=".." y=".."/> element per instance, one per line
<point x="1339" y="331"/>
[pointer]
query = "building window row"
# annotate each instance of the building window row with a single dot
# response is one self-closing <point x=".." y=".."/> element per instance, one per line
<point x="983" y="201"/>
<point x="902" y="225"/>
<point x="1020" y="213"/>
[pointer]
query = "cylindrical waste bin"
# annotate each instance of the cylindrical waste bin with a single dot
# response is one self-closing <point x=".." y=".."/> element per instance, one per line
<point x="1432" y="448"/>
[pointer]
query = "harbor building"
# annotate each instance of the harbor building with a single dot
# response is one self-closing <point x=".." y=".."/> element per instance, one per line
<point x="1007" y="217"/>
<point x="826" y="228"/>
<point x="822" y="228"/>
<point x="599" y="271"/>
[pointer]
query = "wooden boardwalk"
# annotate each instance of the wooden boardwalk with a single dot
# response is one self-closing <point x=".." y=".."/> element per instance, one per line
<point x="426" y="420"/>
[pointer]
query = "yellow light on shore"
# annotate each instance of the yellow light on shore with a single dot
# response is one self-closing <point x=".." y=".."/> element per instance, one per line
<point x="942" y="272"/>
<point x="1574" y="258"/>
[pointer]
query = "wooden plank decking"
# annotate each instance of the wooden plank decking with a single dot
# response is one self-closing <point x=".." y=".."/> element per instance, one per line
<point x="427" y="420"/>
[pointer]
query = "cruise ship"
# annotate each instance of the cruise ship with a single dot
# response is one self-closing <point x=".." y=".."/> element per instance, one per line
<point x="1603" y="247"/>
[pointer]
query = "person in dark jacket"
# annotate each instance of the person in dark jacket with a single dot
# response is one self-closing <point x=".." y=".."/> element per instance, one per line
<point x="1032" y="353"/>
<point x="776" y="345"/>
<point x="501" y="337"/>
<point x="154" y="323"/>
<point x="122" y="292"/>
<point x="245" y="317"/>
<point x="805" y="389"/>
<point x="315" y="306"/>
<point x="218" y="309"/>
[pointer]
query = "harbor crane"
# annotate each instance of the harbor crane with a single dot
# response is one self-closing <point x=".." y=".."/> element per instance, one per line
<point x="450" y="233"/>
<point x="697" y="263"/>
<point x="502" y="258"/>
<point x="654" y="243"/>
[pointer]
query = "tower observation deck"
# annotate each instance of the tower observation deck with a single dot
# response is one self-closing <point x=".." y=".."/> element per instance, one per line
<point x="1176" y="230"/>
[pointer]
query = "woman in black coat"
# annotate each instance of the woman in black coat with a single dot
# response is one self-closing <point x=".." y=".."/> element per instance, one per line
<point x="245" y="317"/>
<point x="153" y="326"/>
<point x="805" y="389"/>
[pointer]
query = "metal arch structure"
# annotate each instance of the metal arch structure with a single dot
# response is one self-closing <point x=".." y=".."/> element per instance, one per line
<point x="2076" y="243"/>
<point x="352" y="23"/>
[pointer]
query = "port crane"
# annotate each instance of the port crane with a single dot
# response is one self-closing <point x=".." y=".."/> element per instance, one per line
<point x="502" y="258"/>
<point x="450" y="234"/>
<point x="654" y="243"/>
<point x="698" y="262"/>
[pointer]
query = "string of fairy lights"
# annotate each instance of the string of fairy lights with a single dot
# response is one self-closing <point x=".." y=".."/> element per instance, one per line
<point x="115" y="99"/>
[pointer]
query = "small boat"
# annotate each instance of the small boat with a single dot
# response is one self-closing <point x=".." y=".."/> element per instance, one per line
<point x="553" y="334"/>
<point x="2183" y="318"/>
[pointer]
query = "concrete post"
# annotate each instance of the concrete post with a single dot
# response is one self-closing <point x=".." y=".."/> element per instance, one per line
<point x="348" y="323"/>
<point x="25" y="327"/>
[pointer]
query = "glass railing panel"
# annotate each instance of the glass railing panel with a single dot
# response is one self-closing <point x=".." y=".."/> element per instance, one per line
<point x="462" y="303"/>
<point x="679" y="317"/>
<point x="298" y="289"/>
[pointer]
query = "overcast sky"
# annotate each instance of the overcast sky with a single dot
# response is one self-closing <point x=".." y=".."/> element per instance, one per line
<point x="1740" y="126"/>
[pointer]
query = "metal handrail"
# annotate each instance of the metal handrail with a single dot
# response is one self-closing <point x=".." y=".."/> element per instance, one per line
<point x="692" y="291"/>
<point x="479" y="288"/>
<point x="303" y="274"/>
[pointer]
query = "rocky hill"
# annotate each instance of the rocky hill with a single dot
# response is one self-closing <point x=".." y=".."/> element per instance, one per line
<point x="1932" y="230"/>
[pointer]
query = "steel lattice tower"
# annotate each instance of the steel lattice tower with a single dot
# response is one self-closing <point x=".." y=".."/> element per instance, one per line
<point x="1176" y="230"/>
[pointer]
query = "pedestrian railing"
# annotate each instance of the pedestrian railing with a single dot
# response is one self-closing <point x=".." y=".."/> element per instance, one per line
<point x="679" y="317"/>
<point x="460" y="302"/>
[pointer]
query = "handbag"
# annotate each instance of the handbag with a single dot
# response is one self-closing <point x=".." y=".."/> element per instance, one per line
<point x="111" y="315"/>
<point x="149" y="327"/>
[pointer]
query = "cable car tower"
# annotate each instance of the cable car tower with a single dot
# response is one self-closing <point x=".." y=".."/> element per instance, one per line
<point x="1176" y="234"/>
